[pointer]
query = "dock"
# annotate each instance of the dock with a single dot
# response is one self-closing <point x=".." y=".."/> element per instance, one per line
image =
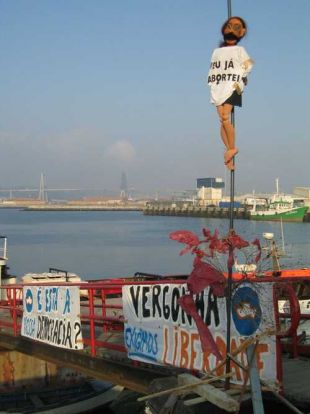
<point x="158" y="209"/>
<point x="105" y="355"/>
<point x="193" y="211"/>
<point x="65" y="207"/>
<point x="73" y="206"/>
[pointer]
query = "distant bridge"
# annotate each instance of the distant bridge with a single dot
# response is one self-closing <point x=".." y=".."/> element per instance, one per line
<point x="33" y="190"/>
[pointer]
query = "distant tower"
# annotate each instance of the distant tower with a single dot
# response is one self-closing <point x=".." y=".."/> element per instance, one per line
<point x="124" y="187"/>
<point x="42" y="191"/>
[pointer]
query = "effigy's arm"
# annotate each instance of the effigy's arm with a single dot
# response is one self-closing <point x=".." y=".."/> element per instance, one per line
<point x="247" y="65"/>
<point x="246" y="62"/>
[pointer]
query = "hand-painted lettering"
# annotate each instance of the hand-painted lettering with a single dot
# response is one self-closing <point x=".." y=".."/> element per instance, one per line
<point x="67" y="307"/>
<point x="156" y="306"/>
<point x="29" y="327"/>
<point x="141" y="342"/>
<point x="145" y="310"/>
<point x="51" y="299"/>
<point x="39" y="298"/>
<point x="135" y="293"/>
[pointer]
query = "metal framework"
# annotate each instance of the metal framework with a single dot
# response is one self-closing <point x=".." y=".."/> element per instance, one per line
<point x="102" y="311"/>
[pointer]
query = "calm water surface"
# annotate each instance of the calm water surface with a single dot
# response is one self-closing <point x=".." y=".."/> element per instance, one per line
<point x="100" y="244"/>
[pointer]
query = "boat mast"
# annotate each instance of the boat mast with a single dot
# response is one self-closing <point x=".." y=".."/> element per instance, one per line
<point x="254" y="201"/>
<point x="277" y="186"/>
<point x="282" y="237"/>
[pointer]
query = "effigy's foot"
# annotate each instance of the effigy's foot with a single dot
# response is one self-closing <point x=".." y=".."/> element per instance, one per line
<point x="230" y="165"/>
<point x="229" y="154"/>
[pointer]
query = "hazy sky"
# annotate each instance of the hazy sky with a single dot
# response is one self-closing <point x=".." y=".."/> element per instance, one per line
<point x="91" y="88"/>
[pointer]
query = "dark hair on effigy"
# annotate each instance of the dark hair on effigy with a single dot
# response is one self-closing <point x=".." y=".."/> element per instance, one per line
<point x="243" y="22"/>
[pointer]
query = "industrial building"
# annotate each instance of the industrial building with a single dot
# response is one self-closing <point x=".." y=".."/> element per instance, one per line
<point x="304" y="193"/>
<point x="209" y="191"/>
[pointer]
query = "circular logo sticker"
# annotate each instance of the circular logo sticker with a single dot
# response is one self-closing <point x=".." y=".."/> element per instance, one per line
<point x="29" y="300"/>
<point x="246" y="311"/>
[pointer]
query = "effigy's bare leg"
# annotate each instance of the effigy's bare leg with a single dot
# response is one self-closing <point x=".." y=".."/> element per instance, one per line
<point x="227" y="134"/>
<point x="220" y="110"/>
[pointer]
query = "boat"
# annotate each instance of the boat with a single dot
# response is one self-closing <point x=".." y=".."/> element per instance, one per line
<point x="299" y="279"/>
<point x="54" y="276"/>
<point x="279" y="210"/>
<point x="71" y="399"/>
<point x="279" y="207"/>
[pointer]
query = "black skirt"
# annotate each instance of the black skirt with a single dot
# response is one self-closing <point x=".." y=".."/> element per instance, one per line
<point x="235" y="99"/>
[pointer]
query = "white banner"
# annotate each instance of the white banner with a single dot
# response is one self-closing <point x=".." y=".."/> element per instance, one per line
<point x="52" y="315"/>
<point x="157" y="330"/>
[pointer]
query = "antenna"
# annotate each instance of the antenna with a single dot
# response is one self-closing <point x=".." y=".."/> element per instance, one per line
<point x="277" y="185"/>
<point x="282" y="237"/>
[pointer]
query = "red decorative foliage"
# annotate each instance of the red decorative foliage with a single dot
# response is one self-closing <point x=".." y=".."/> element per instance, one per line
<point x="204" y="275"/>
<point x="256" y="243"/>
<point x="207" y="342"/>
<point x="216" y="244"/>
<point x="207" y="233"/>
<point x="236" y="242"/>
<point x="186" y="237"/>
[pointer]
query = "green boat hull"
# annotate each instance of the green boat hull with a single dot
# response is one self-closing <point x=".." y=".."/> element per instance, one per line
<point x="297" y="214"/>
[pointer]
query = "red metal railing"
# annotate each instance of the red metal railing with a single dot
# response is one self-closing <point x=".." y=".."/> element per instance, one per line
<point x="11" y="309"/>
<point x="102" y="312"/>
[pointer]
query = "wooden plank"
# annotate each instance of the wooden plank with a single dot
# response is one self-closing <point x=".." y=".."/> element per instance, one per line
<point x="183" y="388"/>
<point x="210" y="393"/>
<point x="194" y="401"/>
<point x="256" y="391"/>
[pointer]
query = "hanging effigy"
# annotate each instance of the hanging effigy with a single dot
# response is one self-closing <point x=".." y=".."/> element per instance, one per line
<point x="230" y="66"/>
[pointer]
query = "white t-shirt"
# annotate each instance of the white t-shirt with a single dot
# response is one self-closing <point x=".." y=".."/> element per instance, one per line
<point x="229" y="64"/>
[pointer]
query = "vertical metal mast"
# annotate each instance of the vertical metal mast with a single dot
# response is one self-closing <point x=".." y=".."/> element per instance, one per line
<point x="232" y="172"/>
<point x="229" y="8"/>
<point x="256" y="393"/>
<point x="231" y="228"/>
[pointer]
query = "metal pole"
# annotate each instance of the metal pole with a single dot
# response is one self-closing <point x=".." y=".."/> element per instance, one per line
<point x="229" y="280"/>
<point x="254" y="375"/>
<point x="231" y="227"/>
<point x="229" y="8"/>
<point x="256" y="390"/>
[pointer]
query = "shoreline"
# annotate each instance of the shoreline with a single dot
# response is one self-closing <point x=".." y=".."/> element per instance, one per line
<point x="81" y="208"/>
<point x="68" y="207"/>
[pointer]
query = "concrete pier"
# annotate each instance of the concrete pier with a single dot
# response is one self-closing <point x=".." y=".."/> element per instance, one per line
<point x="191" y="211"/>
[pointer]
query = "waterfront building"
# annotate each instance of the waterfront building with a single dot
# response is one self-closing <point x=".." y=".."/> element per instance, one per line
<point x="209" y="190"/>
<point x="303" y="193"/>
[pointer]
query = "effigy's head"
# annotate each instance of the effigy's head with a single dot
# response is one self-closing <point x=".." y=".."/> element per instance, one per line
<point x="233" y="30"/>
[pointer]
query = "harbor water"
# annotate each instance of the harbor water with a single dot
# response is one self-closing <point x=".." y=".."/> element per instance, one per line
<point x="105" y="244"/>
